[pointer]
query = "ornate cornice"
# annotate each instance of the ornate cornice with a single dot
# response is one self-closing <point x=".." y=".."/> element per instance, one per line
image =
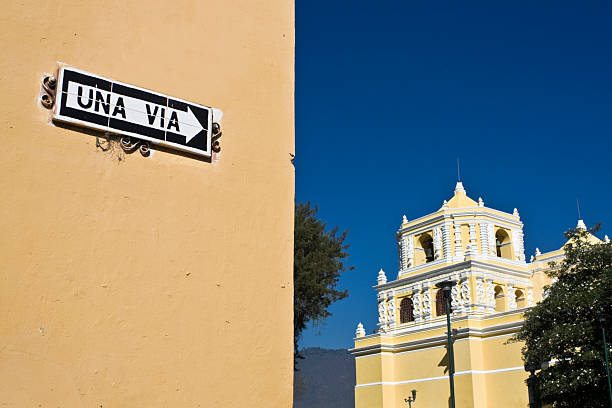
<point x="460" y="333"/>
<point x="439" y="217"/>
<point x="473" y="265"/>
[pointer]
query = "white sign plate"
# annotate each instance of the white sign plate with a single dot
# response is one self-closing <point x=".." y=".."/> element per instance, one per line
<point x="91" y="101"/>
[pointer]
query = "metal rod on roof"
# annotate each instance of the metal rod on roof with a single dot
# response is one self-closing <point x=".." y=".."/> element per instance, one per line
<point x="458" y="170"/>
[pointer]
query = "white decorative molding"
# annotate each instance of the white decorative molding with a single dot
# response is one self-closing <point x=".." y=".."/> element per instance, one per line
<point x="446" y="240"/>
<point x="466" y="294"/>
<point x="480" y="291"/>
<point x="471" y="250"/>
<point x="360" y="332"/>
<point x="382" y="312"/>
<point x="515" y="243"/>
<point x="382" y="278"/>
<point x="511" y="298"/>
<point x="391" y="311"/>
<point x="459" y="256"/>
<point x="473" y="232"/>
<point x="473" y="245"/>
<point x="521" y="236"/>
<point x="437" y="241"/>
<point x="455" y="299"/>
<point x="516" y="213"/>
<point x="416" y="303"/>
<point x="480" y="202"/>
<point x="490" y="293"/>
<point x="484" y="238"/>
<point x="467" y="333"/>
<point x="420" y="380"/>
<point x="460" y="334"/>
<point x="491" y="233"/>
<point x="518" y="245"/>
<point x="404" y="220"/>
<point x="425" y="222"/>
<point x="503" y="271"/>
<point x="403" y="290"/>
<point x="426" y="303"/>
<point x="409" y="251"/>
<point x="530" y="297"/>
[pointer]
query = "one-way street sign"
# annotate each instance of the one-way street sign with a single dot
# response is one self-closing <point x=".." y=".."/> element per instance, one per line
<point x="91" y="101"/>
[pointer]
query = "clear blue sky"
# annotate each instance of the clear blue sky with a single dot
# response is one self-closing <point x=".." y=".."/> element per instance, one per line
<point x="389" y="93"/>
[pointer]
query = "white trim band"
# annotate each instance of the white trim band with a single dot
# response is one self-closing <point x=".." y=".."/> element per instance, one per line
<point x="444" y="377"/>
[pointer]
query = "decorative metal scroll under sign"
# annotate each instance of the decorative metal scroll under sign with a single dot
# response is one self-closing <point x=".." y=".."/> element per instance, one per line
<point x="91" y="101"/>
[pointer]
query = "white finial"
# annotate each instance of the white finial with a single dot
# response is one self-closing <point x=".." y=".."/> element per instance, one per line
<point x="459" y="188"/>
<point x="516" y="213"/>
<point x="581" y="225"/>
<point x="360" y="332"/>
<point x="382" y="278"/>
<point x="480" y="202"/>
<point x="404" y="220"/>
<point x="532" y="258"/>
<point x="606" y="239"/>
<point x="445" y="204"/>
<point x="538" y="253"/>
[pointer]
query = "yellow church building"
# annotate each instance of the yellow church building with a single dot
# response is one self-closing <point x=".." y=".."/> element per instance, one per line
<point x="481" y="250"/>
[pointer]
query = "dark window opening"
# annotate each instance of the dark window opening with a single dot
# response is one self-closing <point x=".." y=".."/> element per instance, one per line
<point x="502" y="242"/>
<point x="406" y="310"/>
<point x="440" y="303"/>
<point x="427" y="244"/>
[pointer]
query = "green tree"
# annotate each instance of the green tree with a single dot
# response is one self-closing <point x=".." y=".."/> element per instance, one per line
<point x="563" y="331"/>
<point x="318" y="261"/>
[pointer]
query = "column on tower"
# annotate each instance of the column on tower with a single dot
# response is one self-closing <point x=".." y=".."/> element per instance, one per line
<point x="491" y="233"/>
<point x="391" y="310"/>
<point x="480" y="294"/>
<point x="521" y="245"/>
<point x="511" y="297"/>
<point x="473" y="250"/>
<point x="437" y="241"/>
<point x="484" y="238"/>
<point x="458" y="245"/>
<point x="490" y="295"/>
<point x="455" y="299"/>
<point x="530" y="297"/>
<point x="518" y="244"/>
<point x="416" y="303"/>
<point x="466" y="294"/>
<point x="409" y="245"/>
<point x="427" y="300"/>
<point x="382" y="312"/>
<point x="446" y="240"/>
<point x="402" y="253"/>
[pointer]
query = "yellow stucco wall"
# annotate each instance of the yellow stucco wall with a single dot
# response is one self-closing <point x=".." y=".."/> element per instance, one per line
<point x="148" y="282"/>
<point x="488" y="371"/>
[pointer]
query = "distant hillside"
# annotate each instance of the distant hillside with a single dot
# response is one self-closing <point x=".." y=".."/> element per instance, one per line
<point x="326" y="379"/>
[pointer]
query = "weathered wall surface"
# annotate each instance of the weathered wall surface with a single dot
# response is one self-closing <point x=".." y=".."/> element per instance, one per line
<point x="148" y="282"/>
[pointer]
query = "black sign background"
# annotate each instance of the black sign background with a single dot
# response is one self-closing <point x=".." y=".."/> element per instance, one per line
<point x="199" y="144"/>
